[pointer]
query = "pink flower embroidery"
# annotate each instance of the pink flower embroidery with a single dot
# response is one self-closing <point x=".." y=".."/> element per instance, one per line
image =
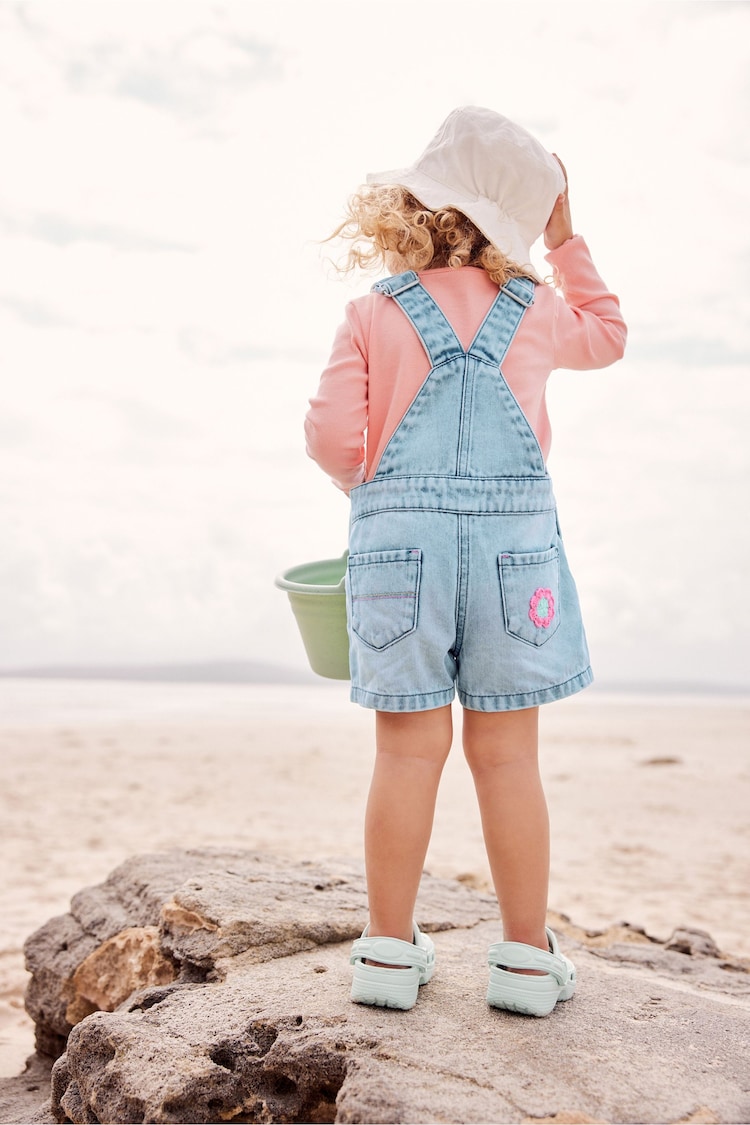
<point x="542" y="608"/>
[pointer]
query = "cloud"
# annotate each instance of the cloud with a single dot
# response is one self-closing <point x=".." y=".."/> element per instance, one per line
<point x="16" y="431"/>
<point x="63" y="230"/>
<point x="205" y="347"/>
<point x="186" y="77"/>
<point x="182" y="59"/>
<point x="33" y="312"/>
<point x="115" y="430"/>
<point x="687" y="348"/>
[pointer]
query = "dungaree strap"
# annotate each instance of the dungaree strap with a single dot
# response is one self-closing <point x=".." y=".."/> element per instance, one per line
<point x="429" y="321"/>
<point x="498" y="328"/>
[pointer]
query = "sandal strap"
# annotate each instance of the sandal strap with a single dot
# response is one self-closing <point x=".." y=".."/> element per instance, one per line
<point x="516" y="955"/>
<point x="389" y="951"/>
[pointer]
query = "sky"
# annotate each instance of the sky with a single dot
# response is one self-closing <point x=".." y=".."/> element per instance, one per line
<point x="167" y="302"/>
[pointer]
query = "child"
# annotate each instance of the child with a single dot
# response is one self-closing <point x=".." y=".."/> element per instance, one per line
<point x="431" y="415"/>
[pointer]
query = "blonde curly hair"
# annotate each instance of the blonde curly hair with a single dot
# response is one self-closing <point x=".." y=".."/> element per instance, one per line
<point x="387" y="225"/>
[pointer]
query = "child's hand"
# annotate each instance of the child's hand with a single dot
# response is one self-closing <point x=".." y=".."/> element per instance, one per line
<point x="559" y="227"/>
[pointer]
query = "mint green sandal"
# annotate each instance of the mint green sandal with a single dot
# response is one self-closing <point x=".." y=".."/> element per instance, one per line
<point x="396" y="987"/>
<point x="531" y="995"/>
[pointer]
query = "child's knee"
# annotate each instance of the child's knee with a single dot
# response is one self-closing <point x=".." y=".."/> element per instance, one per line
<point x="493" y="739"/>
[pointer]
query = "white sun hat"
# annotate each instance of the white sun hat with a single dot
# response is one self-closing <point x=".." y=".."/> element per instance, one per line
<point x="491" y="170"/>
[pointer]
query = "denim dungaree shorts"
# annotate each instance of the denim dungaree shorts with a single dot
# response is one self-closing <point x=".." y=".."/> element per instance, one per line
<point x="457" y="577"/>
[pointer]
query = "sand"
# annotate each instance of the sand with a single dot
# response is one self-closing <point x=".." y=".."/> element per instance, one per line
<point x="648" y="796"/>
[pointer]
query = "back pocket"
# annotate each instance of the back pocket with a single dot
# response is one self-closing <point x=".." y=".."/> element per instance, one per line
<point x="530" y="584"/>
<point x="384" y="595"/>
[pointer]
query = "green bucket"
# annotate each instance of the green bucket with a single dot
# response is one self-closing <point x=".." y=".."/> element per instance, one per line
<point x="316" y="594"/>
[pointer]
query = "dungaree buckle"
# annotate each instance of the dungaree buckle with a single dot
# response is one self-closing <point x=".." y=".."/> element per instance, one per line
<point x="520" y="290"/>
<point x="399" y="283"/>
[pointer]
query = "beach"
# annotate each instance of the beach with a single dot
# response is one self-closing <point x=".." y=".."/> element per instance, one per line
<point x="648" y="800"/>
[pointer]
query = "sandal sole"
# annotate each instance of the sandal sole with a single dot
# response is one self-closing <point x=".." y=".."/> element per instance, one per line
<point x="514" y="996"/>
<point x="371" y="986"/>
<point x="381" y="986"/>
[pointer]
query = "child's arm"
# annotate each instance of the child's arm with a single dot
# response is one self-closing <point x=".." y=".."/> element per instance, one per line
<point x="589" y="330"/>
<point x="336" y="422"/>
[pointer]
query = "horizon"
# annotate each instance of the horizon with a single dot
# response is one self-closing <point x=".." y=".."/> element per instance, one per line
<point x="256" y="674"/>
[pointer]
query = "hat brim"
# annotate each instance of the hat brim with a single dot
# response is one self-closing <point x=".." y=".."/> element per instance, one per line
<point x="501" y="230"/>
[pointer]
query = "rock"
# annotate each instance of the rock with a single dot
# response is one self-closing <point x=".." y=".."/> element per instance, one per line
<point x="131" y="897"/>
<point x="693" y="942"/>
<point x="115" y="970"/>
<point x="240" y="1011"/>
<point x="187" y="915"/>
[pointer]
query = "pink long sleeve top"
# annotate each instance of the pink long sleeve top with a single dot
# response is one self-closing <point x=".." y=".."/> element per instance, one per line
<point x="378" y="364"/>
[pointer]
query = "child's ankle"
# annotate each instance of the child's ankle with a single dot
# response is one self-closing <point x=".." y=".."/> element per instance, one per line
<point x="398" y="932"/>
<point x="527" y="936"/>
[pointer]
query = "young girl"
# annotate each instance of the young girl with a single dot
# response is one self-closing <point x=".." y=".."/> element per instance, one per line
<point x="431" y="415"/>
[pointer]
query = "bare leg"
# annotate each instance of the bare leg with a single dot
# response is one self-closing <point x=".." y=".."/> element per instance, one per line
<point x="502" y="752"/>
<point x="411" y="752"/>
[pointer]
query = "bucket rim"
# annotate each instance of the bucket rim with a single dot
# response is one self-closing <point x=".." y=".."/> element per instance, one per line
<point x="284" y="583"/>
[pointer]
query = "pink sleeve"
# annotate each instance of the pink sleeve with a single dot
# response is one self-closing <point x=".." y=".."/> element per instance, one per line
<point x="589" y="330"/>
<point x="336" y="422"/>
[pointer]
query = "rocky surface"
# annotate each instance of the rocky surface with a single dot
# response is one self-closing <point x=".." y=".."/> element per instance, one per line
<point x="211" y="986"/>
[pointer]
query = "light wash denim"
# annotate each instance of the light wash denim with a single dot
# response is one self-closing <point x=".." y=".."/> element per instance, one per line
<point x="457" y="578"/>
